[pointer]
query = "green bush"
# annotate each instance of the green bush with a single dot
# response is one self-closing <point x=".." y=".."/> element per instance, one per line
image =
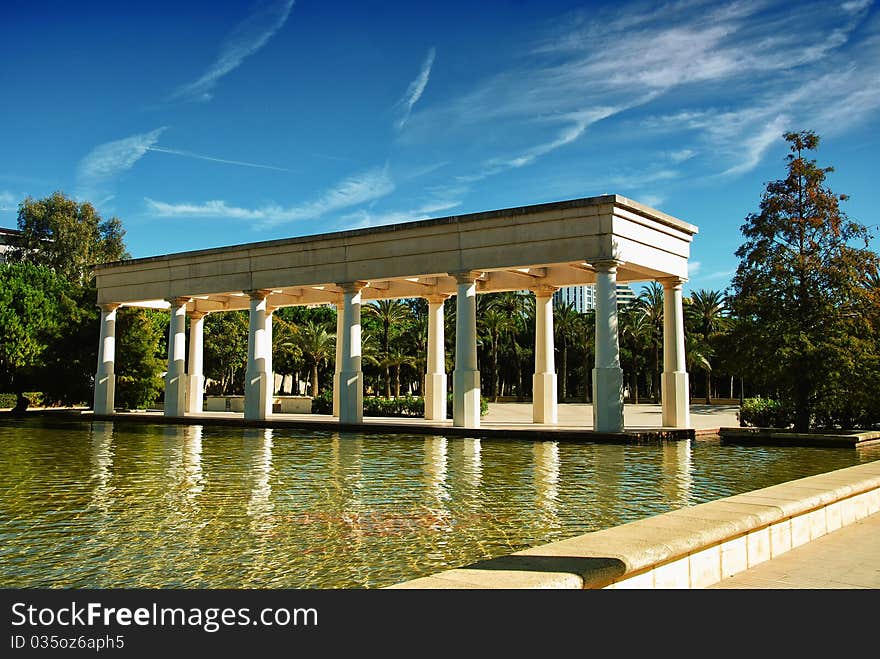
<point x="484" y="406"/>
<point x="763" y="412"/>
<point x="323" y="403"/>
<point x="35" y="397"/>
<point x="403" y="406"/>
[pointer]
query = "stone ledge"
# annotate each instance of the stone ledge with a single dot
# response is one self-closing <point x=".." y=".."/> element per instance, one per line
<point x="691" y="547"/>
<point x="780" y="437"/>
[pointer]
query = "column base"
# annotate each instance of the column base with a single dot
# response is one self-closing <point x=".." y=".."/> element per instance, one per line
<point x="608" y="399"/>
<point x="466" y="399"/>
<point x="336" y="378"/>
<point x="351" y="397"/>
<point x="175" y="394"/>
<point x="105" y="389"/>
<point x="675" y="399"/>
<point x="257" y="395"/>
<point x="435" y="396"/>
<point x="544" y="408"/>
<point x="195" y="393"/>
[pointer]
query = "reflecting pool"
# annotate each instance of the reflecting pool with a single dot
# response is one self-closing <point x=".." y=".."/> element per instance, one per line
<point x="104" y="505"/>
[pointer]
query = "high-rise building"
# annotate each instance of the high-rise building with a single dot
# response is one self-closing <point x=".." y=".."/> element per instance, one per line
<point x="583" y="298"/>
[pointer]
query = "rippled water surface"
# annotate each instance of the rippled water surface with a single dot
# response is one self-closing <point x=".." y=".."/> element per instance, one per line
<point x="108" y="505"/>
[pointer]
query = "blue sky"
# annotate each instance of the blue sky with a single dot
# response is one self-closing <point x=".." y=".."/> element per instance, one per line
<point x="202" y="124"/>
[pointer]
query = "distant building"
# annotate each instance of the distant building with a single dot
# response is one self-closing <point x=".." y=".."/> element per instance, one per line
<point x="583" y="298"/>
<point x="8" y="239"/>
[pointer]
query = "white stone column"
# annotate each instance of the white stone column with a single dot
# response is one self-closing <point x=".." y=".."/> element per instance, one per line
<point x="466" y="377"/>
<point x="351" y="378"/>
<point x="674" y="387"/>
<point x="105" y="377"/>
<point x="607" y="375"/>
<point x="257" y="385"/>
<point x="175" y="377"/>
<point x="340" y="329"/>
<point x="435" y="373"/>
<point x="544" y="408"/>
<point x="270" y="372"/>
<point x="195" y="390"/>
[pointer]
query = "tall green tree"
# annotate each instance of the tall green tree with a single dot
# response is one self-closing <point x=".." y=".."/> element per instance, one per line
<point x="707" y="316"/>
<point x="225" y="350"/>
<point x="34" y="304"/>
<point x="391" y="316"/>
<point x="67" y="236"/>
<point x="567" y="326"/>
<point x="798" y="288"/>
<point x="318" y="346"/>
<point x="650" y="303"/>
<point x="139" y="356"/>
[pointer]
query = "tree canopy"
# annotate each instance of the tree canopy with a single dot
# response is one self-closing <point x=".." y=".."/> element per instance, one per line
<point x="799" y="292"/>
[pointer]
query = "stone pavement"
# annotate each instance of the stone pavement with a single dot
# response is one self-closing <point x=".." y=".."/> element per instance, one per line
<point x="844" y="559"/>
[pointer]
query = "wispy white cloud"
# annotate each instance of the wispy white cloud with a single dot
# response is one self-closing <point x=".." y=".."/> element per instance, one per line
<point x="416" y="89"/>
<point x="856" y="6"/>
<point x="749" y="64"/>
<point x="108" y="160"/>
<point x="245" y="39"/>
<point x="655" y="201"/>
<point x="190" y="154"/>
<point x="681" y="155"/>
<point x="8" y="201"/>
<point x="756" y="146"/>
<point x="694" y="267"/>
<point x="366" y="218"/>
<point x="578" y="122"/>
<point x="358" y="189"/>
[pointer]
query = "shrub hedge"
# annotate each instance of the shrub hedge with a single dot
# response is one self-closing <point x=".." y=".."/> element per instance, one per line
<point x="403" y="406"/>
<point x="763" y="412"/>
<point x="36" y="399"/>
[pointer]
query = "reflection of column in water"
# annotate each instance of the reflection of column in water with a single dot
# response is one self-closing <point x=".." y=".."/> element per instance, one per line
<point x="101" y="434"/>
<point x="610" y="499"/>
<point x="473" y="468"/>
<point x="435" y="467"/>
<point x="347" y="478"/>
<point x="677" y="472"/>
<point x="194" y="481"/>
<point x="547" y="478"/>
<point x="258" y="446"/>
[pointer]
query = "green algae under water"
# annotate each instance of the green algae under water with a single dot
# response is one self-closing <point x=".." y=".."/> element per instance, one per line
<point x="124" y="505"/>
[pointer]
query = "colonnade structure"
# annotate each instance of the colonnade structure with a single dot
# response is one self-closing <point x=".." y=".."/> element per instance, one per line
<point x="602" y="240"/>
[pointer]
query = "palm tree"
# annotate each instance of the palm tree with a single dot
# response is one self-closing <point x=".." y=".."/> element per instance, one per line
<point x="635" y="334"/>
<point x="514" y="306"/>
<point x="566" y="323"/>
<point x="390" y="314"/>
<point x="650" y="303"/>
<point x="397" y="358"/>
<point x="707" y="313"/>
<point x="317" y="346"/>
<point x="492" y="325"/>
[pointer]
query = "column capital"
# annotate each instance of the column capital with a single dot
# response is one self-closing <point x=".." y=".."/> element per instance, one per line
<point x="437" y="298"/>
<point x="672" y="282"/>
<point x="544" y="290"/>
<point x="353" y="286"/>
<point x="179" y="301"/>
<point x="606" y="265"/>
<point x="108" y="307"/>
<point x="466" y="276"/>
<point x="258" y="293"/>
<point x="197" y="315"/>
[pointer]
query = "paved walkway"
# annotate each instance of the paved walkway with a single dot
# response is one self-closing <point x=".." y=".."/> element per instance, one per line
<point x="844" y="559"/>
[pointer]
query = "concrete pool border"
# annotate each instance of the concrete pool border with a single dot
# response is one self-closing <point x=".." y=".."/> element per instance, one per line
<point x="415" y="426"/>
<point x="691" y="548"/>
